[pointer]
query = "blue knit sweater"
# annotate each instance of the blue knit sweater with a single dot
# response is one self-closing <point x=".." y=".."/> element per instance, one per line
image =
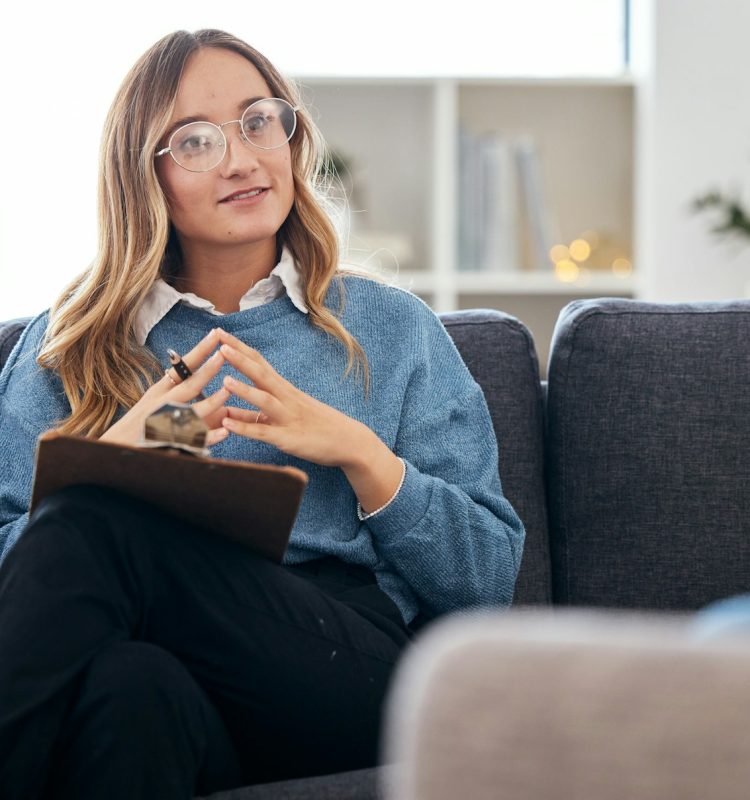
<point x="449" y="540"/>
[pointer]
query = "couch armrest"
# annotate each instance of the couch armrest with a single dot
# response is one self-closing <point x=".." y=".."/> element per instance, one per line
<point x="535" y="706"/>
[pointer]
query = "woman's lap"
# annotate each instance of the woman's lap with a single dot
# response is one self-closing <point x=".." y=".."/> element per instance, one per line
<point x="297" y="674"/>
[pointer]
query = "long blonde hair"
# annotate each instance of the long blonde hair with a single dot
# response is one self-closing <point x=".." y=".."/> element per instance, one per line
<point x="90" y="339"/>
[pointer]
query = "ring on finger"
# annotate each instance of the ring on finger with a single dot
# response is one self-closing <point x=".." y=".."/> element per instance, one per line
<point x="168" y="373"/>
<point x="257" y="419"/>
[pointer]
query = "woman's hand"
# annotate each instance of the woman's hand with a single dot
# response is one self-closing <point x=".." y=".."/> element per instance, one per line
<point x="286" y="417"/>
<point x="129" y="429"/>
<point x="302" y="426"/>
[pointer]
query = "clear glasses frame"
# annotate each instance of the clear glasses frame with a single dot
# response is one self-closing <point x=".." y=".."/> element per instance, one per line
<point x="213" y="153"/>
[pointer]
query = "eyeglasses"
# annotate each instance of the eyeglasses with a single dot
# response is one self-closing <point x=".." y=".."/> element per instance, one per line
<point x="200" y="146"/>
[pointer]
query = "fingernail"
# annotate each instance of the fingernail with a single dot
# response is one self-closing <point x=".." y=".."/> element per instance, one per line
<point x="229" y="381"/>
<point x="230" y="423"/>
<point x="225" y="348"/>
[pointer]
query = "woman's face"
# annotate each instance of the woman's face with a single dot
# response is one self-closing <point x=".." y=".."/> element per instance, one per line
<point x="208" y="209"/>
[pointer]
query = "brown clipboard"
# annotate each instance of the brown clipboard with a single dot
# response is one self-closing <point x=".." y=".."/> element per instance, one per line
<point x="255" y="504"/>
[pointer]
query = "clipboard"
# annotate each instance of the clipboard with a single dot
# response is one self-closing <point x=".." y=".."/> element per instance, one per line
<point x="255" y="504"/>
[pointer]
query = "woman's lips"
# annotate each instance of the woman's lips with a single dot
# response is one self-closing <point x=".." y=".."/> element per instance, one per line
<point x="246" y="198"/>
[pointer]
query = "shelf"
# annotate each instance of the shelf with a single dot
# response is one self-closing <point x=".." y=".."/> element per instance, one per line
<point x="404" y="188"/>
<point x="519" y="283"/>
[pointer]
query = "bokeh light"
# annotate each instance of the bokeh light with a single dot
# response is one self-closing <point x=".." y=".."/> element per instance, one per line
<point x="559" y="253"/>
<point x="622" y="267"/>
<point x="567" y="271"/>
<point x="580" y="250"/>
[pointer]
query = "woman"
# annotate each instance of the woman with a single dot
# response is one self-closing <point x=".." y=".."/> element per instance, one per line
<point x="141" y="658"/>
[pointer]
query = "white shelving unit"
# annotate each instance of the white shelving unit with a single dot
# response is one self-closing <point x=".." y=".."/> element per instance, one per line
<point x="531" y="283"/>
<point x="400" y="137"/>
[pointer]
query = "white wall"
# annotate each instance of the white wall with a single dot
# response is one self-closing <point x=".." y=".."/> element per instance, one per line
<point x="694" y="137"/>
<point x="61" y="63"/>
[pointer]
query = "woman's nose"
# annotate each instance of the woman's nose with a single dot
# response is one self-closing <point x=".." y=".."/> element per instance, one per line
<point x="240" y="156"/>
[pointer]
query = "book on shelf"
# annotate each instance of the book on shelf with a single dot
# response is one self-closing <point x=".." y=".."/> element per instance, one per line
<point x="501" y="197"/>
<point x="536" y="206"/>
<point x="498" y="249"/>
<point x="468" y="226"/>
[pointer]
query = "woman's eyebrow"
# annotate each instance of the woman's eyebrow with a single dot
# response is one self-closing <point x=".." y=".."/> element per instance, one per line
<point x="248" y="102"/>
<point x="180" y="122"/>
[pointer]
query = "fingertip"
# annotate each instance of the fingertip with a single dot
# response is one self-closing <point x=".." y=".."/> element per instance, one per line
<point x="219" y="435"/>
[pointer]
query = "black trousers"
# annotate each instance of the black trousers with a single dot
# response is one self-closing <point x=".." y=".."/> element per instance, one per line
<point x="140" y="658"/>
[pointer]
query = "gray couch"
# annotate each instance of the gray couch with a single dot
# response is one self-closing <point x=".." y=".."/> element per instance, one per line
<point x="618" y="690"/>
<point x="631" y="478"/>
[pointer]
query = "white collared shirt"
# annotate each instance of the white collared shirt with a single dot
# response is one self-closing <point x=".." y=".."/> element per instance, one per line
<point x="162" y="297"/>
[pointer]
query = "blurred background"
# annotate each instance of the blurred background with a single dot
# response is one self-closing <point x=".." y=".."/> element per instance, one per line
<point x="504" y="155"/>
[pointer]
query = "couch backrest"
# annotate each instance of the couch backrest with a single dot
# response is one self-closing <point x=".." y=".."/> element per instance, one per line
<point x="499" y="351"/>
<point x="9" y="333"/>
<point x="649" y="453"/>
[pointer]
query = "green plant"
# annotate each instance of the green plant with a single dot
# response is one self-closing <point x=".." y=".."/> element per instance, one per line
<point x="733" y="217"/>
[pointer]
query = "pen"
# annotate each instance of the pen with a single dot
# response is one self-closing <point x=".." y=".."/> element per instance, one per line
<point x="181" y="368"/>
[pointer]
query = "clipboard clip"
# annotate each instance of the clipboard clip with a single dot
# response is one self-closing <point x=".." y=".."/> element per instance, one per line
<point x="176" y="426"/>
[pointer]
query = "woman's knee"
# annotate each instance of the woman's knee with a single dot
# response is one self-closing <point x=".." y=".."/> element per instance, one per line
<point x="136" y="677"/>
<point x="99" y="519"/>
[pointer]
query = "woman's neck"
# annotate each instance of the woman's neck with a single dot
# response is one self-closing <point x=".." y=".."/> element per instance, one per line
<point x="224" y="275"/>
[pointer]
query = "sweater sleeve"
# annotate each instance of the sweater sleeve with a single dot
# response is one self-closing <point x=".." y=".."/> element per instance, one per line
<point x="449" y="533"/>
<point x="31" y="401"/>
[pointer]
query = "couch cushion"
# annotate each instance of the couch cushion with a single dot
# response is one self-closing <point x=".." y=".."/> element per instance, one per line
<point x="649" y="453"/>
<point x="499" y="352"/>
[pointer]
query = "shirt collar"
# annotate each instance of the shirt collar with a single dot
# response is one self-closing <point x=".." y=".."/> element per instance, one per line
<point x="285" y="276"/>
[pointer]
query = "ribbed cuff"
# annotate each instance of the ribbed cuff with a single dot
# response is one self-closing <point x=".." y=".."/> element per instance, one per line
<point x="406" y="510"/>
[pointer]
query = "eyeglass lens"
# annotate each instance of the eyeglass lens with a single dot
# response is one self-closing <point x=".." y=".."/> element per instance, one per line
<point x="267" y="124"/>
